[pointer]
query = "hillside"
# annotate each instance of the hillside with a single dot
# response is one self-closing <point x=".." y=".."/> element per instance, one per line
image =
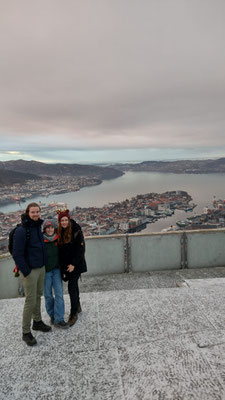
<point x="177" y="167"/>
<point x="10" y="177"/>
<point x="39" y="168"/>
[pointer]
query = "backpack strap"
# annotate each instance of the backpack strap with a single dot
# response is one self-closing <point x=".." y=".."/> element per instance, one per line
<point x="27" y="232"/>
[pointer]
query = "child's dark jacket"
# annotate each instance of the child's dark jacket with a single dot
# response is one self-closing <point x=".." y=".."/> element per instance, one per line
<point x="52" y="254"/>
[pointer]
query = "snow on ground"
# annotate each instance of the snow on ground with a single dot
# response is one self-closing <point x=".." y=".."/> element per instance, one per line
<point x="154" y="341"/>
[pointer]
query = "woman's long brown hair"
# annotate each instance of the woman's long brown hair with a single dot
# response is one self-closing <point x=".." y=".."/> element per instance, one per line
<point x="65" y="235"/>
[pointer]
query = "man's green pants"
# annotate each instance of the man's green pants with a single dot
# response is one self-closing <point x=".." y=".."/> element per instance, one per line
<point x="33" y="288"/>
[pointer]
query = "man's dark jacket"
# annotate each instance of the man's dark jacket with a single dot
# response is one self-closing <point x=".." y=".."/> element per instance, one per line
<point x="73" y="253"/>
<point x="28" y="253"/>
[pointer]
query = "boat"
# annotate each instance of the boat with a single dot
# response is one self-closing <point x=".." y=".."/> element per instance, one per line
<point x="169" y="212"/>
<point x="182" y="224"/>
<point x="190" y="208"/>
<point x="136" y="226"/>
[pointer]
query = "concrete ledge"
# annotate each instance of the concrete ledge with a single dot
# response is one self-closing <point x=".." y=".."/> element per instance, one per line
<point x="9" y="285"/>
<point x="116" y="254"/>
<point x="149" y="253"/>
<point x="206" y="249"/>
<point x="105" y="256"/>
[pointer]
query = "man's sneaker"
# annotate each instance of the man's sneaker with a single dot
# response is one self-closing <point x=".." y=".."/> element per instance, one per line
<point x="79" y="309"/>
<point x="41" y="326"/>
<point x="52" y="321"/>
<point x="72" y="319"/>
<point x="29" y="339"/>
<point x="62" y="324"/>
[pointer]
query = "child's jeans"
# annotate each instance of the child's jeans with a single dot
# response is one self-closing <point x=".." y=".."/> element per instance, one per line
<point x="54" y="304"/>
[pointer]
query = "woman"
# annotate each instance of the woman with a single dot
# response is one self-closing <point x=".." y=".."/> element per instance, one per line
<point x="29" y="256"/>
<point x="71" y="259"/>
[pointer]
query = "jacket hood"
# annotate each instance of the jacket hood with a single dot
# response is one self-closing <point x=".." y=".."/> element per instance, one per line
<point x="27" y="221"/>
<point x="75" y="226"/>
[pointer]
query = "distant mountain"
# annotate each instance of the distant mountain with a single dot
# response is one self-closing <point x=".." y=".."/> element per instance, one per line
<point x="39" y="168"/>
<point x="10" y="177"/>
<point x="177" y="167"/>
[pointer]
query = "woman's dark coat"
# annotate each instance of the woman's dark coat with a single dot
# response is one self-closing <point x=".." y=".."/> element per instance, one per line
<point x="73" y="253"/>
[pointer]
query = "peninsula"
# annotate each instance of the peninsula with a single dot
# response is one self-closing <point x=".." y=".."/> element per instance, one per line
<point x="16" y="184"/>
<point x="20" y="168"/>
<point x="128" y="216"/>
<point x="176" y="167"/>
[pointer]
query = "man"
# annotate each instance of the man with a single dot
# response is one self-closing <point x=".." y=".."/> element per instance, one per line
<point x="29" y="256"/>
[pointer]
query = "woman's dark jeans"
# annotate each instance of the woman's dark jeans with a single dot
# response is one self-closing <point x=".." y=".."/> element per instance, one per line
<point x="74" y="293"/>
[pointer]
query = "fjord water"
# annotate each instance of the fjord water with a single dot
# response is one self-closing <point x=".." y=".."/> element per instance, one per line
<point x="202" y="187"/>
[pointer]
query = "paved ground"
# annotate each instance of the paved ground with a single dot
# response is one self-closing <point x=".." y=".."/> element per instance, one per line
<point x="140" y="336"/>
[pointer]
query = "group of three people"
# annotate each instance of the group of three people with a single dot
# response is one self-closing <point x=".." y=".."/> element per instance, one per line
<point x="44" y="258"/>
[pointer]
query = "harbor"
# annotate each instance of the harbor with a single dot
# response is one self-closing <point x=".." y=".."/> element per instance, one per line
<point x="90" y="205"/>
<point x="129" y="216"/>
<point x="211" y="218"/>
<point x="140" y="213"/>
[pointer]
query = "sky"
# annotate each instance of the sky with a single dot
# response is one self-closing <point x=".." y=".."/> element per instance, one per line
<point x="112" y="81"/>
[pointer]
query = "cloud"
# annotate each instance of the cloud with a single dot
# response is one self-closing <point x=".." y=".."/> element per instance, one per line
<point x="112" y="75"/>
<point x="14" y="153"/>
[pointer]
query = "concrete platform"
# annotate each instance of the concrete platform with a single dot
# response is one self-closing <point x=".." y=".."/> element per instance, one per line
<point x="149" y="336"/>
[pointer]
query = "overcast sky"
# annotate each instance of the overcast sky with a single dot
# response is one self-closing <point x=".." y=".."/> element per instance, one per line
<point x="115" y="80"/>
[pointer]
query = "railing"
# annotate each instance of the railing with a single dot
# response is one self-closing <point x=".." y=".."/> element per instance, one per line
<point x="139" y="253"/>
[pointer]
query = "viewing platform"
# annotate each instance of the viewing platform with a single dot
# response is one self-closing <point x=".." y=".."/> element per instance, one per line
<point x="140" y="336"/>
<point x="143" y="334"/>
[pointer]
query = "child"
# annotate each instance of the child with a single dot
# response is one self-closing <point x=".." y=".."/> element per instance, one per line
<point x="54" y="305"/>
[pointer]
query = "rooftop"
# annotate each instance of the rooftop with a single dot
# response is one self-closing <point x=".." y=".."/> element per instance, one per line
<point x="158" y="335"/>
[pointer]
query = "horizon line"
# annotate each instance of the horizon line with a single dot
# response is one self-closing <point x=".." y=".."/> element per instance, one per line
<point x="117" y="162"/>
